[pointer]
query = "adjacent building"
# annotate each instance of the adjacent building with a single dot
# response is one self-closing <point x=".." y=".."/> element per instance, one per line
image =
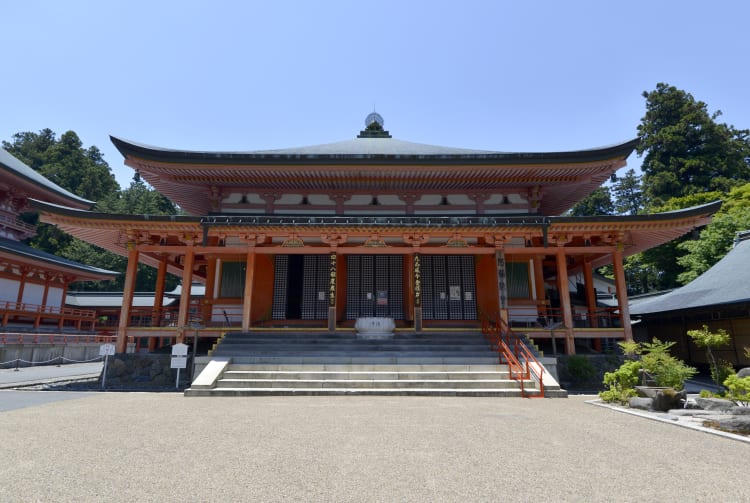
<point x="719" y="299"/>
<point x="33" y="283"/>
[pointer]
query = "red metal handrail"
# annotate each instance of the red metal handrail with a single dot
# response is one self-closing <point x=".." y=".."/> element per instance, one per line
<point x="522" y="364"/>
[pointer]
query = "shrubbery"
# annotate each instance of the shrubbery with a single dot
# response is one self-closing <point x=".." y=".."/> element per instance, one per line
<point x="653" y="360"/>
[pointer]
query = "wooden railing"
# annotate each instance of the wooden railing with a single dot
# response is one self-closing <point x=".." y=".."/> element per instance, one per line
<point x="522" y="364"/>
<point x="61" y="315"/>
<point x="551" y="317"/>
<point x="37" y="338"/>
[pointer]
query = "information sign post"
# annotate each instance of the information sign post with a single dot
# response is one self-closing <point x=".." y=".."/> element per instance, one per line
<point x="106" y="350"/>
<point x="179" y="360"/>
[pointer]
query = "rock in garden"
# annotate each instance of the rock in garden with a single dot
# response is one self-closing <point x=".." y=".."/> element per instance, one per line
<point x="734" y="424"/>
<point x="668" y="399"/>
<point x="717" y="404"/>
<point x="641" y="403"/>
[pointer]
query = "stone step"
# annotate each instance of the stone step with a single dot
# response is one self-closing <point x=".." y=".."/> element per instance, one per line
<point x="362" y="375"/>
<point x="366" y="359"/>
<point x="364" y="379"/>
<point x="237" y="392"/>
<point x="367" y="368"/>
<point x="370" y="384"/>
<point x="353" y="347"/>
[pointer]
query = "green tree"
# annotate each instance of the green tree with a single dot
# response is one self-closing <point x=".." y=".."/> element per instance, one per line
<point x="599" y="202"/>
<point x="717" y="238"/>
<point x="67" y="163"/>
<point x="84" y="172"/>
<point x="686" y="150"/>
<point x="138" y="199"/>
<point x="628" y="195"/>
<point x="704" y="338"/>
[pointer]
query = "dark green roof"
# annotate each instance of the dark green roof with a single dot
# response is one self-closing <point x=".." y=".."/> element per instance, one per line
<point x="369" y="150"/>
<point x="22" y="250"/>
<point x="726" y="282"/>
<point x="13" y="166"/>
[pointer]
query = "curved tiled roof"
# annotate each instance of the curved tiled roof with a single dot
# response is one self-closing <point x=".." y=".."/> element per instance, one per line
<point x="37" y="185"/>
<point x="368" y="149"/>
<point x="84" y="272"/>
<point x="727" y="282"/>
<point x="374" y="164"/>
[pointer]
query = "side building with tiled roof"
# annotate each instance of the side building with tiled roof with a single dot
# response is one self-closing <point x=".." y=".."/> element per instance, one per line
<point x="34" y="283"/>
<point x="719" y="298"/>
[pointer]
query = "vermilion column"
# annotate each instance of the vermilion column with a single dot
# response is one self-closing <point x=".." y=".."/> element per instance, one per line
<point x="127" y="300"/>
<point x="541" y="294"/>
<point x="66" y="283"/>
<point x="21" y="286"/>
<point x="208" y="297"/>
<point x="248" y="294"/>
<point x="38" y="319"/>
<point x="187" y="280"/>
<point x="567" y="314"/>
<point x="622" y="293"/>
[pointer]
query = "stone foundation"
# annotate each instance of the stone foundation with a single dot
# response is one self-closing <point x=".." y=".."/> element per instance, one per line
<point x="144" y="372"/>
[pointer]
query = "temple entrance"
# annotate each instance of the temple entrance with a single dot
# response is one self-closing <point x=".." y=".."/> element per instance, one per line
<point x="300" y="287"/>
<point x="448" y="287"/>
<point x="374" y="286"/>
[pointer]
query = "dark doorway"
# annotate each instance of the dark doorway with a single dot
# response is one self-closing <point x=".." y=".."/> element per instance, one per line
<point x="294" y="283"/>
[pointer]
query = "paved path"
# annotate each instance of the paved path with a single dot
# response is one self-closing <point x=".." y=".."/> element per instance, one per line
<point x="165" y="447"/>
<point x="25" y="376"/>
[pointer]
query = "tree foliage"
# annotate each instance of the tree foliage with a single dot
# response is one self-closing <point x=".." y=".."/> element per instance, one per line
<point x="686" y="150"/>
<point x="717" y="238"/>
<point x="690" y="159"/>
<point x="84" y="172"/>
<point x="704" y="338"/>
<point x="628" y="194"/>
<point x="599" y="202"/>
<point x="64" y="161"/>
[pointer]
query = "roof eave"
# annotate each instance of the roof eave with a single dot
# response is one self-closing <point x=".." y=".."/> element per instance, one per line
<point x="157" y="154"/>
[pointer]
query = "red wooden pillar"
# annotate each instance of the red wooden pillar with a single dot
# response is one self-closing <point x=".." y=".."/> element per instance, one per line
<point x="66" y="283"/>
<point x="567" y="314"/>
<point x="247" y="298"/>
<point x="187" y="281"/>
<point x="127" y="300"/>
<point x="622" y="293"/>
<point x="208" y="296"/>
<point x="541" y="294"/>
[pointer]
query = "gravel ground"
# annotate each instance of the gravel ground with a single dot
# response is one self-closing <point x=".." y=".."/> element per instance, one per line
<point x="165" y="447"/>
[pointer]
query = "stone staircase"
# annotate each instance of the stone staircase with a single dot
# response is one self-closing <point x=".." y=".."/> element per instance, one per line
<point x="299" y="363"/>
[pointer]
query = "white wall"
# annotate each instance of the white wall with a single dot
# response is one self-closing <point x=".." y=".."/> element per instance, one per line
<point x="33" y="294"/>
<point x="54" y="297"/>
<point x="8" y="290"/>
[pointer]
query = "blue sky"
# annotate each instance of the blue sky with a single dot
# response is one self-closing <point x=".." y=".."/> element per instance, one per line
<point x="243" y="75"/>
